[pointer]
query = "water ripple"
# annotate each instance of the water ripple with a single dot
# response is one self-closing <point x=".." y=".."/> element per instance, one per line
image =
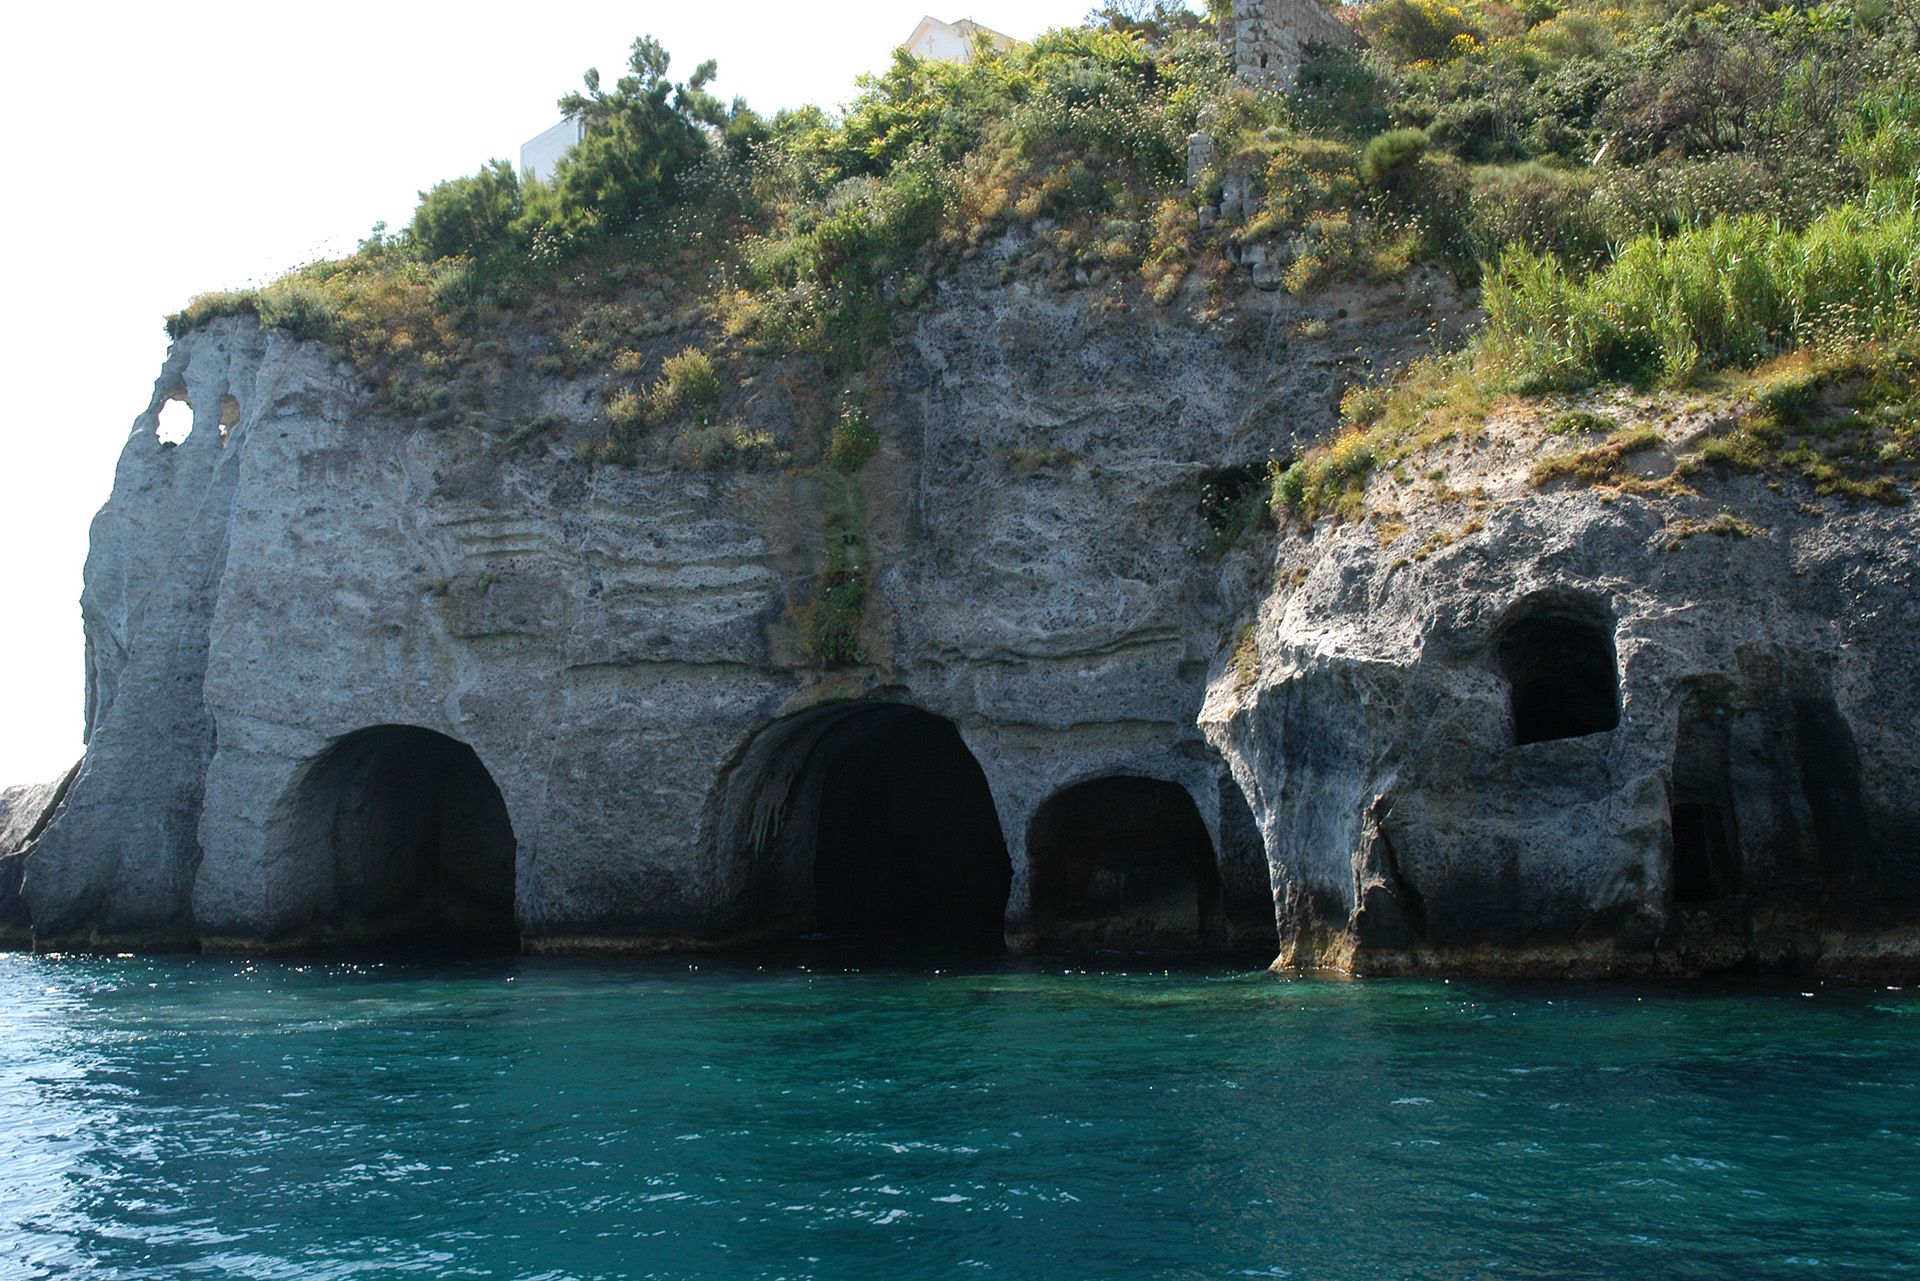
<point x="553" y="1119"/>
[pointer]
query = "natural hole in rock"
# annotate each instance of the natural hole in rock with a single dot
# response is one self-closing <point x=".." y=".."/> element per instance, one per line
<point x="1123" y="863"/>
<point x="420" y="847"/>
<point x="1563" y="676"/>
<point x="1231" y="498"/>
<point x="874" y="822"/>
<point x="176" y="421"/>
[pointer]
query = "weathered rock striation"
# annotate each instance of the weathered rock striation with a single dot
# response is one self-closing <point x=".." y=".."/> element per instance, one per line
<point x="354" y="678"/>
<point x="1588" y="732"/>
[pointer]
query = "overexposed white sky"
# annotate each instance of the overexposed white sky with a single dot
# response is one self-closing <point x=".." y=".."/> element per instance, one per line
<point x="158" y="151"/>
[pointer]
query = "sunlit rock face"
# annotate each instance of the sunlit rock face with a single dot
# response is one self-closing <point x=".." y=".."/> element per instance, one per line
<point x="1576" y="735"/>
<point x="24" y="814"/>
<point x="358" y="679"/>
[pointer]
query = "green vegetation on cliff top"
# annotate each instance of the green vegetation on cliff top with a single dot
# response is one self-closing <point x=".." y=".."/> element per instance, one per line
<point x="1650" y="191"/>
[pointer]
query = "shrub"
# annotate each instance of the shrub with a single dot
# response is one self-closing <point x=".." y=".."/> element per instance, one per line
<point x="1732" y="293"/>
<point x="468" y="217"/>
<point x="1579" y="422"/>
<point x="1340" y="89"/>
<point x="1416" y="30"/>
<point x="852" y="443"/>
<point x="1307" y="176"/>
<point x="300" y="307"/>
<point x="1600" y="463"/>
<point x="203" y="308"/>
<point x="1712" y="98"/>
<point x="1334" y="479"/>
<point x="1668" y="198"/>
<point x="1738" y="452"/>
<point x="839" y="605"/>
<point x="626" y="411"/>
<point x="1546" y="210"/>
<point x="456" y="286"/>
<point x="1882" y="140"/>
<point x="1391" y="154"/>
<point x="732" y="445"/>
<point x="547" y="424"/>
<point x="689" y="382"/>
<point x="639" y="140"/>
<point x="1244" y="662"/>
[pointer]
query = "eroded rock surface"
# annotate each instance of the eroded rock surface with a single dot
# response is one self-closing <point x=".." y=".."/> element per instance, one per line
<point x="354" y="679"/>
<point x="1589" y="731"/>
<point x="338" y="663"/>
<point x="24" y="814"/>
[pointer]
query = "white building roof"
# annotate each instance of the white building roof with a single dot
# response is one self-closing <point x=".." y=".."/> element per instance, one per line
<point x="936" y="39"/>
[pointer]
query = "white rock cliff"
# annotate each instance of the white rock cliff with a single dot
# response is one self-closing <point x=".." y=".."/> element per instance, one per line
<point x="352" y="678"/>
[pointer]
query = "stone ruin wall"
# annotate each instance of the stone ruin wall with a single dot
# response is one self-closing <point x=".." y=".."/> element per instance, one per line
<point x="1270" y="38"/>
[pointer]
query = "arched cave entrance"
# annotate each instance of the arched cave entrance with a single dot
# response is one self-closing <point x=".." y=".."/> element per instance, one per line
<point x="416" y="838"/>
<point x="1563" y="674"/>
<point x="1124" y="863"/>
<point x="869" y="822"/>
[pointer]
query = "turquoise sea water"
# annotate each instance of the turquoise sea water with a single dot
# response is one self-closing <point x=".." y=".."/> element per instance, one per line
<point x="527" y="1118"/>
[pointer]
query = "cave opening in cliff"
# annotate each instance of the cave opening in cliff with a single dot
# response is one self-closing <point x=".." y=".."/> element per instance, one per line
<point x="872" y="823"/>
<point x="1563" y="676"/>
<point x="420" y="846"/>
<point x="1123" y="863"/>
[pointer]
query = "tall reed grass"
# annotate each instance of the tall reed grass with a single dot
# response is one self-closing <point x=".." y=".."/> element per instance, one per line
<point x="1733" y="293"/>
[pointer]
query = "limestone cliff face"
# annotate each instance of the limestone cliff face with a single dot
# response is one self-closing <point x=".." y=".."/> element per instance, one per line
<point x="1582" y="732"/>
<point x="355" y="679"/>
<point x="351" y="677"/>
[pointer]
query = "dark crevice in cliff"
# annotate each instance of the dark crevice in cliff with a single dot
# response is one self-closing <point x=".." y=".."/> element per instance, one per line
<point x="1703" y="865"/>
<point x="1829" y="764"/>
<point x="1706" y="861"/>
<point x="1246" y="879"/>
<point x="1124" y="863"/>
<point x="1769" y="834"/>
<point x="406" y="842"/>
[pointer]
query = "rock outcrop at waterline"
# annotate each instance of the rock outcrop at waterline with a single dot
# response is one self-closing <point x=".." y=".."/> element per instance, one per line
<point x="358" y="678"/>
<point x="353" y="677"/>
<point x="1588" y="732"/>
<point x="24" y="815"/>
